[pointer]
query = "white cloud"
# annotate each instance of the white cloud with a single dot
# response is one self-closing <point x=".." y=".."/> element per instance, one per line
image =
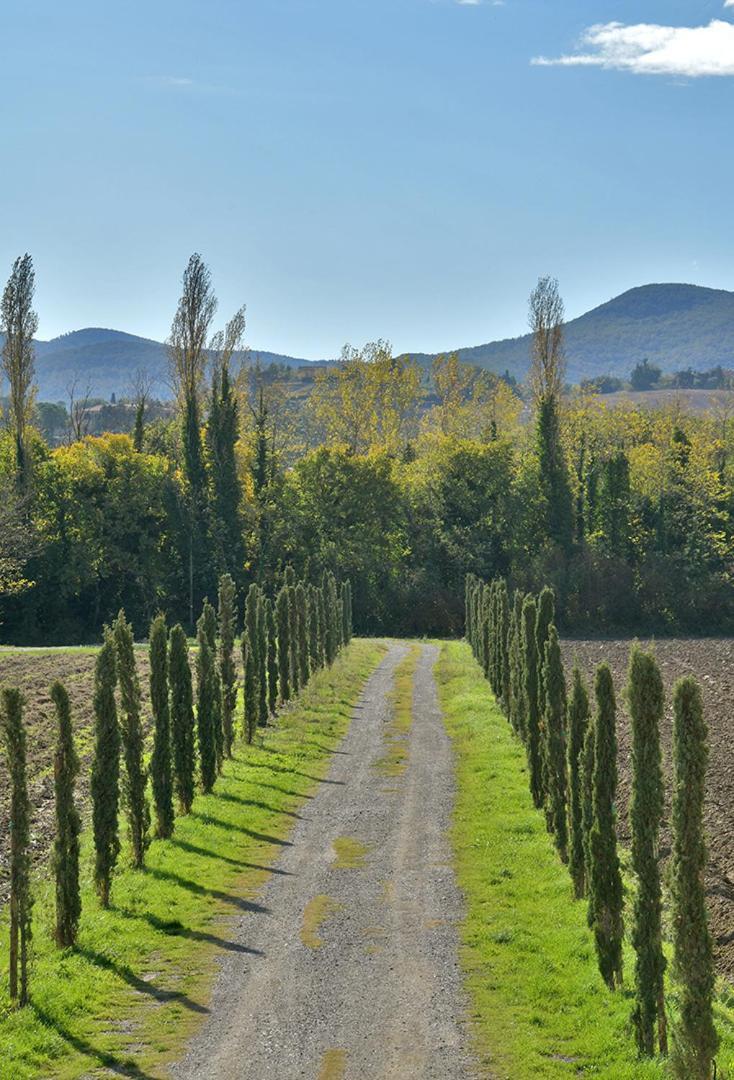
<point x="648" y="49"/>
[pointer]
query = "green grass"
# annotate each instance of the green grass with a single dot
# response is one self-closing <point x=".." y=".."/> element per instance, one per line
<point x="540" y="1009"/>
<point x="137" y="986"/>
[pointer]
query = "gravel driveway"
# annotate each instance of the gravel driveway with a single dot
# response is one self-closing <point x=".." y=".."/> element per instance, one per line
<point x="354" y="972"/>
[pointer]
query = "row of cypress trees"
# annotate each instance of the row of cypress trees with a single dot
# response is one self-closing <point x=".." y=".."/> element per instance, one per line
<point x="282" y="644"/>
<point x="572" y="768"/>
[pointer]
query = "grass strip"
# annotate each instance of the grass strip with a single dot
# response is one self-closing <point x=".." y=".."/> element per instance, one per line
<point x="131" y="994"/>
<point x="395" y="759"/>
<point x="540" y="1008"/>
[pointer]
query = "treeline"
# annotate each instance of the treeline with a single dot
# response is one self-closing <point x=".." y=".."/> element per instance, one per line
<point x="195" y="721"/>
<point x="647" y="376"/>
<point x="571" y="749"/>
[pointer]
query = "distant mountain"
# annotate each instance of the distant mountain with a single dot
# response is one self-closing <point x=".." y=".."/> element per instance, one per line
<point x="674" y="326"/>
<point x="107" y="361"/>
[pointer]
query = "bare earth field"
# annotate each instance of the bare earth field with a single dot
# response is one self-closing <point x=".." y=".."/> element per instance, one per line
<point x="711" y="661"/>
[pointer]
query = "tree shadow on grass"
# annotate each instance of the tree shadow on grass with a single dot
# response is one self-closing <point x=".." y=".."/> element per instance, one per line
<point x="282" y="790"/>
<point x="260" y="805"/>
<point x="174" y="928"/>
<point x="194" y="849"/>
<point x="103" y="1057"/>
<point x="150" y="989"/>
<point x="209" y="819"/>
<point x="239" y="902"/>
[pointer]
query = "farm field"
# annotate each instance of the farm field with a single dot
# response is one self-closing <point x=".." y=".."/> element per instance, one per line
<point x="711" y="661"/>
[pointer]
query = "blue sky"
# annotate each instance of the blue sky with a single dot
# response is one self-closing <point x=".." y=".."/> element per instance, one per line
<point x="350" y="170"/>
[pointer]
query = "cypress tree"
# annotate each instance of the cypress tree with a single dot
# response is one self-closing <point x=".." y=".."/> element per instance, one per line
<point x="331" y="642"/>
<point x="160" y="762"/>
<point x="222" y="433"/>
<point x="105" y="780"/>
<point x="250" y="662"/>
<point x="503" y="649"/>
<point x="645" y="698"/>
<point x="210" y="629"/>
<point x="283" y="621"/>
<point x="21" y="900"/>
<point x="182" y="719"/>
<point x="302" y="623"/>
<point x="131" y="731"/>
<point x="206" y="694"/>
<point x="313" y="628"/>
<point x="486" y="630"/>
<point x="227" y="670"/>
<point x="468" y="591"/>
<point x="347" y="611"/>
<point x="517" y="700"/>
<point x="555" y="746"/>
<point x="322" y="627"/>
<point x="68" y="824"/>
<point x="605" y="893"/>
<point x="578" y="721"/>
<point x="588" y="753"/>
<point x="546" y="617"/>
<point x="697" y="1041"/>
<point x="272" y="657"/>
<point x="530" y="697"/>
<point x="262" y="662"/>
<point x="553" y="470"/>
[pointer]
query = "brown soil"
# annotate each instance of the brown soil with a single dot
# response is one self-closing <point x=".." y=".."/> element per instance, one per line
<point x="711" y="661"/>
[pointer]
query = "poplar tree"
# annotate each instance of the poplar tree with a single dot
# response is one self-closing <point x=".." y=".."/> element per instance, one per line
<point x="206" y="694"/>
<point x="645" y="698"/>
<point x="68" y="824"/>
<point x="262" y="662"/>
<point x="18" y="325"/>
<point x="21" y="900"/>
<point x="160" y="762"/>
<point x="605" y="893"/>
<point x="210" y="628"/>
<point x="227" y="670"/>
<point x="283" y="620"/>
<point x="530" y="697"/>
<point x="555" y="747"/>
<point x="182" y="719"/>
<point x="697" y="1041"/>
<point x="577" y="723"/>
<point x="272" y="632"/>
<point x="131" y="731"/>
<point x="105" y="780"/>
<point x="302" y="621"/>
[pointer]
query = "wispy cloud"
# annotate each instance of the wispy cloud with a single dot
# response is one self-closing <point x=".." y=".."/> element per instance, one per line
<point x="650" y="49"/>
<point x="184" y="84"/>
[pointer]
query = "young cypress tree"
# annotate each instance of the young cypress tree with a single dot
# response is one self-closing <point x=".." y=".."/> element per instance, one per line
<point x="486" y="630"/>
<point x="21" y="900"/>
<point x="588" y="753"/>
<point x="262" y="662"/>
<point x="517" y="699"/>
<point x="645" y="698"/>
<point x="546" y="615"/>
<point x="206" y="692"/>
<point x="697" y="1041"/>
<point x="182" y="719"/>
<point x="555" y="745"/>
<point x="322" y="627"/>
<point x="313" y="628"/>
<point x="503" y="649"/>
<point x="227" y="669"/>
<point x="331" y="617"/>
<point x="468" y="590"/>
<point x="272" y="657"/>
<point x="250" y="662"/>
<point x="347" y="610"/>
<point x="283" y="621"/>
<point x="578" y="720"/>
<point x="605" y="891"/>
<point x="160" y="762"/>
<point x="530" y="697"/>
<point x="210" y="628"/>
<point x="105" y="780"/>
<point x="68" y="824"/>
<point x="302" y="622"/>
<point x="131" y="731"/>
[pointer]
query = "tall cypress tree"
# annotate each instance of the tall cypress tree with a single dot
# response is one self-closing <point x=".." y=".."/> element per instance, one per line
<point x="272" y="657"/>
<point x="160" y="762"/>
<point x="517" y="699"/>
<point x="588" y="754"/>
<point x="554" y="477"/>
<point x="645" y="697"/>
<point x="329" y="587"/>
<point x="578" y="720"/>
<point x="302" y="623"/>
<point x="697" y="1042"/>
<point x="182" y="719"/>
<point x="262" y="662"/>
<point x="283" y="620"/>
<point x="131" y="731"/>
<point x="250" y="640"/>
<point x="313" y="628"/>
<point x="68" y="824"/>
<point x="210" y="628"/>
<point x="605" y="893"/>
<point x="322" y="626"/>
<point x="503" y="651"/>
<point x="555" y="746"/>
<point x="546" y="615"/>
<point x="293" y="639"/>
<point x="21" y="900"/>
<point x="227" y="669"/>
<point x="222" y="433"/>
<point x="530" y="697"/>
<point x="105" y="781"/>
<point x="206" y="703"/>
<point x="346" y="596"/>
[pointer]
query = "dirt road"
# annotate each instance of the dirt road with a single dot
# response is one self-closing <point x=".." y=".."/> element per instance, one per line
<point x="354" y="973"/>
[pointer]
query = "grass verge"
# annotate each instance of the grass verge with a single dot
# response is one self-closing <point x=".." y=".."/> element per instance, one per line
<point x="126" y="1000"/>
<point x="540" y="1008"/>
